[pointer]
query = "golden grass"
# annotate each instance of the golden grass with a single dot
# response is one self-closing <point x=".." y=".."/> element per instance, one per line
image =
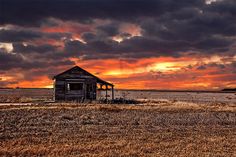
<point x="155" y="129"/>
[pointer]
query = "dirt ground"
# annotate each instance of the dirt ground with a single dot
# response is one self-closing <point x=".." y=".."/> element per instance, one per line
<point x="153" y="128"/>
<point x="46" y="94"/>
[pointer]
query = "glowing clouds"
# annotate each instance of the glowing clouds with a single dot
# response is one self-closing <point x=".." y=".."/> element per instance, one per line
<point x="7" y="47"/>
<point x="164" y="67"/>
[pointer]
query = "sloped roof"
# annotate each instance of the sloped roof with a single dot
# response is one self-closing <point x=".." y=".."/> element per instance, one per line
<point x="86" y="72"/>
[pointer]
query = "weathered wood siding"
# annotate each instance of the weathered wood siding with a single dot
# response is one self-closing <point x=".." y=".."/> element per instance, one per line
<point x="75" y="76"/>
<point x="60" y="90"/>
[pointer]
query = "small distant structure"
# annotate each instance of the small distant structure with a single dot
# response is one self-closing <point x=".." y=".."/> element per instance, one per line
<point x="79" y="85"/>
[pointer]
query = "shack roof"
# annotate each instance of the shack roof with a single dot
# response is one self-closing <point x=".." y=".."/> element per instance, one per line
<point x="77" y="68"/>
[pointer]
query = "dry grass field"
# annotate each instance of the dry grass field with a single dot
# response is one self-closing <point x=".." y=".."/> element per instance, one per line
<point x="152" y="128"/>
<point x="25" y="95"/>
<point x="44" y="94"/>
<point x="148" y="129"/>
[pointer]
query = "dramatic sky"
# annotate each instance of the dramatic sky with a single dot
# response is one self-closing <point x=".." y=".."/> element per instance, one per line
<point x="135" y="44"/>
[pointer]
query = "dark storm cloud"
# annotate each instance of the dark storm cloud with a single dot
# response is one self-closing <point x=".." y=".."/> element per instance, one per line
<point x="74" y="47"/>
<point x="102" y="32"/>
<point x="34" y="11"/>
<point x="33" y="74"/>
<point x="144" y="44"/>
<point x="111" y="29"/>
<point x="169" y="31"/>
<point x="142" y="47"/>
<point x="88" y="36"/>
<point x="11" y="60"/>
<point x="211" y="44"/>
<point x="18" y="47"/>
<point x="19" y="35"/>
<point x="168" y="27"/>
<point x="17" y="60"/>
<point x="223" y="7"/>
<point x="201" y="25"/>
<point x="8" y="61"/>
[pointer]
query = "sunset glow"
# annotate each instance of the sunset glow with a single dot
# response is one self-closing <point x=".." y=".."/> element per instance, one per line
<point x="146" y="45"/>
<point x="154" y="75"/>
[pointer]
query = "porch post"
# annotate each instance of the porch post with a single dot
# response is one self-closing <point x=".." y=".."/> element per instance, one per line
<point x="106" y="92"/>
<point x="54" y="91"/>
<point x="112" y="88"/>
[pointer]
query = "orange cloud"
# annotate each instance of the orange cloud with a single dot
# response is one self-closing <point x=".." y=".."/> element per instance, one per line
<point x="148" y="73"/>
<point x="174" y="73"/>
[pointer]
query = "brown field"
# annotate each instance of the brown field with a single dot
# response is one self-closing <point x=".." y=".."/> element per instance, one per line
<point x="155" y="127"/>
<point x="44" y="94"/>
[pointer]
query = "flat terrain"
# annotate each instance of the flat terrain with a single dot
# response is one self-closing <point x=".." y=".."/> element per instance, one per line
<point x="44" y="94"/>
<point x="152" y="128"/>
<point x="162" y="124"/>
<point x="196" y="97"/>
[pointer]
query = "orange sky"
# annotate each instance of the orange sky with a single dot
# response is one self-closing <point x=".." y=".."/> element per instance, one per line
<point x="150" y="73"/>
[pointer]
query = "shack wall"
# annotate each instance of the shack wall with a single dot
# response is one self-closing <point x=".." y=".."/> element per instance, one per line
<point x="88" y="91"/>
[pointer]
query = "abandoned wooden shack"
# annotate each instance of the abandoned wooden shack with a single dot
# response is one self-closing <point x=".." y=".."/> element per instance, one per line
<point x="79" y="85"/>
